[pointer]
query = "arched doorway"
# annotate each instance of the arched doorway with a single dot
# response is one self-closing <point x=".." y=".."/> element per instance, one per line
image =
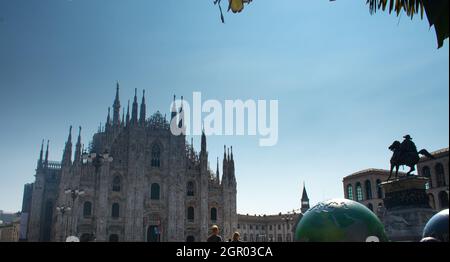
<point x="153" y="234"/>
<point x="86" y="237"/>
<point x="443" y="200"/>
<point x="114" y="238"/>
<point x="190" y="239"/>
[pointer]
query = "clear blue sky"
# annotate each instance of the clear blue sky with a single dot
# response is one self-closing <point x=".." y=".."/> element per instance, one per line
<point x="348" y="83"/>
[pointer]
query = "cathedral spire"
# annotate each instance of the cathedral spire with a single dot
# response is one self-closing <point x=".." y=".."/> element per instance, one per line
<point x="108" y="118"/>
<point x="217" y="172"/>
<point x="67" y="156"/>
<point x="41" y="155"/>
<point x="46" y="154"/>
<point x="203" y="143"/>
<point x="134" y="110"/>
<point x="123" y="117"/>
<point x="78" y="147"/>
<point x="116" y="107"/>
<point x="232" y="154"/>
<point x="224" y="154"/>
<point x="142" y="113"/>
<point x="128" y="114"/>
<point x="224" y="166"/>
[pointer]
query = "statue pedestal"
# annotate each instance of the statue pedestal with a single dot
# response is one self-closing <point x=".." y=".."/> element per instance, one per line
<point x="407" y="208"/>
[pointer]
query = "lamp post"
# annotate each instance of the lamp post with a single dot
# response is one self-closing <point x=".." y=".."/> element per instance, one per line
<point x="97" y="160"/>
<point x="74" y="194"/>
<point x="63" y="210"/>
<point x="288" y="218"/>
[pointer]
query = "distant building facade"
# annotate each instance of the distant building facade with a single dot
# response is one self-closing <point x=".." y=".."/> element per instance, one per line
<point x="436" y="170"/>
<point x="136" y="182"/>
<point x="9" y="232"/>
<point x="272" y="228"/>
<point x="364" y="186"/>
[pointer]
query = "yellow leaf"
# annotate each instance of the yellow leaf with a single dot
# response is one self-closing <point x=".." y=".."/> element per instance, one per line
<point x="236" y="5"/>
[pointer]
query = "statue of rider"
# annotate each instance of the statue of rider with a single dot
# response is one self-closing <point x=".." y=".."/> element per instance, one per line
<point x="408" y="147"/>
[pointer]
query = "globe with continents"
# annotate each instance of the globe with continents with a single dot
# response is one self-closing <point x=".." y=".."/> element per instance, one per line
<point x="340" y="220"/>
<point x="437" y="227"/>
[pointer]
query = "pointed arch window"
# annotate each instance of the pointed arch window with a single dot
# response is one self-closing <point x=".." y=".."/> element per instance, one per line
<point x="213" y="214"/>
<point x="87" y="209"/>
<point x="155" y="191"/>
<point x="156" y="156"/>
<point x="116" y="184"/>
<point x="190" y="214"/>
<point x="190" y="188"/>
<point x="115" y="210"/>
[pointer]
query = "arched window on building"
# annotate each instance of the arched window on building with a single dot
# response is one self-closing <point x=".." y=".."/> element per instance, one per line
<point x="155" y="191"/>
<point x="116" y="184"/>
<point x="432" y="201"/>
<point x="443" y="200"/>
<point x="350" y="191"/>
<point x="440" y="177"/>
<point x="156" y="156"/>
<point x="370" y="206"/>
<point x="115" y="210"/>
<point x="190" y="188"/>
<point x="426" y="172"/>
<point x="114" y="238"/>
<point x="379" y="189"/>
<point x="368" y="187"/>
<point x="190" y="214"/>
<point x="87" y="209"/>
<point x="213" y="214"/>
<point x="359" y="192"/>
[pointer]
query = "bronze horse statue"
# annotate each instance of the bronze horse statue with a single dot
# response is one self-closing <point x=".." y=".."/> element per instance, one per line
<point x="400" y="158"/>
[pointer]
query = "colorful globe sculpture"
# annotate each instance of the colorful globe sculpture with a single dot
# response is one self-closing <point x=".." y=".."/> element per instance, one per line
<point x="340" y="220"/>
<point x="437" y="227"/>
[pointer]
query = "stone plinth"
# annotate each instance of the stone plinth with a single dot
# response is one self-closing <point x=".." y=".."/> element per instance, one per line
<point x="407" y="208"/>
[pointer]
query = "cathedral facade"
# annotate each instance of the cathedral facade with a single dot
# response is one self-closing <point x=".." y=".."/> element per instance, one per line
<point x="136" y="182"/>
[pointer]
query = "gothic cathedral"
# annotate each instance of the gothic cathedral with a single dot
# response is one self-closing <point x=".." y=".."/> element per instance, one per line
<point x="136" y="182"/>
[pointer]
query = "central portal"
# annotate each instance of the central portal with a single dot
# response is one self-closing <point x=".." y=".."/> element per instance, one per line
<point x="153" y="234"/>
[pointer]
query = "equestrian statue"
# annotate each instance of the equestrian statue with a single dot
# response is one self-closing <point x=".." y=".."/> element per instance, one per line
<point x="405" y="153"/>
